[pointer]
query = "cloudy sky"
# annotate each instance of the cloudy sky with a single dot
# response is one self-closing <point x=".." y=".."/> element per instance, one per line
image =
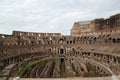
<point x="51" y="15"/>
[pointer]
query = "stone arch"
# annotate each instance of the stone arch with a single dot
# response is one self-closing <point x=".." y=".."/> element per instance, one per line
<point x="70" y="42"/>
<point x="115" y="60"/>
<point x="49" y="51"/>
<point x="61" y="51"/>
<point x="109" y="40"/>
<point x="73" y="51"/>
<point x="114" y="40"/>
<point x="118" y="40"/>
<point x="67" y="42"/>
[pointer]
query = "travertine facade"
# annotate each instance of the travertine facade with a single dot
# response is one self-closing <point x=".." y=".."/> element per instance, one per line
<point x="92" y="50"/>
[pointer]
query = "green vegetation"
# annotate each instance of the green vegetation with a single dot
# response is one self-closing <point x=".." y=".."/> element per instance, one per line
<point x="62" y="69"/>
<point x="29" y="64"/>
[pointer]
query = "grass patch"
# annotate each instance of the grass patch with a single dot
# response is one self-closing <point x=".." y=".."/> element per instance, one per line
<point x="29" y="64"/>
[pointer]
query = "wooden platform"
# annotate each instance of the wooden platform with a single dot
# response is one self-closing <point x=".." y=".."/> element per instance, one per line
<point x="95" y="78"/>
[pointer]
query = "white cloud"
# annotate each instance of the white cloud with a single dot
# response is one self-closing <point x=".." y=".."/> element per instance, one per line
<point x="52" y="15"/>
<point x="1" y="31"/>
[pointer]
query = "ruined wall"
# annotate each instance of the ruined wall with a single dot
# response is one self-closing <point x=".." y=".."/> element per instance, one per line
<point x="21" y="33"/>
<point x="83" y="27"/>
<point x="97" y="40"/>
<point x="99" y="26"/>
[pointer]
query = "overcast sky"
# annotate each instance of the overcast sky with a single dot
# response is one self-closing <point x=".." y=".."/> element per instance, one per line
<point x="52" y="15"/>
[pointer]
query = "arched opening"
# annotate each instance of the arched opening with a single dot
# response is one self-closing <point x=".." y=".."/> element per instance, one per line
<point x="49" y="52"/>
<point x="61" y="60"/>
<point x="39" y="42"/>
<point x="109" y="40"/>
<point x="61" y="40"/>
<point x="73" y="42"/>
<point x="67" y="42"/>
<point x="118" y="58"/>
<point x="70" y="42"/>
<point x="73" y="51"/>
<point x="94" y="40"/>
<point x="118" y="40"/>
<point x="115" y="59"/>
<point x="32" y="42"/>
<point x="61" y="51"/>
<point x="114" y="40"/>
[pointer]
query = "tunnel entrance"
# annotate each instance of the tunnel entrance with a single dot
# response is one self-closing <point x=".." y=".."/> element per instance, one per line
<point x="61" y="60"/>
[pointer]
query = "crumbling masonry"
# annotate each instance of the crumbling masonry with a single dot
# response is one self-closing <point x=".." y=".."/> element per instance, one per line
<point x="90" y="42"/>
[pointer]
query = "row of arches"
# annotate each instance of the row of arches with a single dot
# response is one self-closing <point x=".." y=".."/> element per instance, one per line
<point x="112" y="61"/>
<point x="20" y="58"/>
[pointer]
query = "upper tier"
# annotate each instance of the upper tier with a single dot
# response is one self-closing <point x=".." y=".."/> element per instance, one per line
<point x="96" y="26"/>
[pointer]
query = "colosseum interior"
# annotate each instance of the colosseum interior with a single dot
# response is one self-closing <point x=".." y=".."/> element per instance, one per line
<point x="90" y="52"/>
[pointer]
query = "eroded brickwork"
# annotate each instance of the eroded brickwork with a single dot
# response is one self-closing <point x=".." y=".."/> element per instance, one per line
<point x="90" y="43"/>
<point x="99" y="26"/>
